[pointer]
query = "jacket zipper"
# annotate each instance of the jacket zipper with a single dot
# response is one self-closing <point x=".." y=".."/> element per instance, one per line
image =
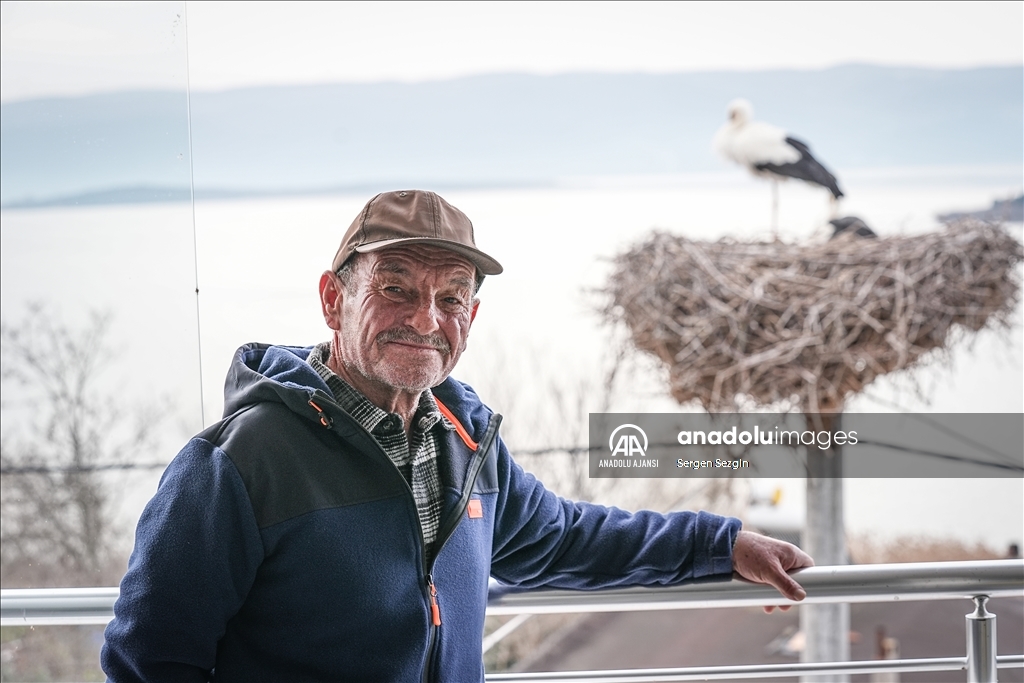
<point x="435" y="611"/>
<point x="446" y="531"/>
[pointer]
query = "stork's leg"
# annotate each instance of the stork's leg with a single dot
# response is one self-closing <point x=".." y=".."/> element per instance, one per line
<point x="833" y="207"/>
<point x="775" y="209"/>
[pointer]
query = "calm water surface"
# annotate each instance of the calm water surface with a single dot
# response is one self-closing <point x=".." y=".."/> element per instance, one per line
<point x="536" y="335"/>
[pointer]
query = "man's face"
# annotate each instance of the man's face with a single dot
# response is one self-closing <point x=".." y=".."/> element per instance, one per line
<point x="403" y="320"/>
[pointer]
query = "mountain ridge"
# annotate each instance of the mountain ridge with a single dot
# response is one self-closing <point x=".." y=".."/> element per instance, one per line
<point x="499" y="129"/>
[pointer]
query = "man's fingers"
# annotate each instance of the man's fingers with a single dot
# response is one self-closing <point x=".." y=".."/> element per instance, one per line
<point x="766" y="560"/>
<point x="768" y="609"/>
<point x="799" y="560"/>
<point x="790" y="588"/>
<point x="777" y="577"/>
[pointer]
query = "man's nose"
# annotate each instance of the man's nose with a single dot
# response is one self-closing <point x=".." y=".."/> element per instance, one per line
<point x="424" y="316"/>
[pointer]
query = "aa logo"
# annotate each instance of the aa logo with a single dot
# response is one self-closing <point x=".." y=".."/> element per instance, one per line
<point x="629" y="441"/>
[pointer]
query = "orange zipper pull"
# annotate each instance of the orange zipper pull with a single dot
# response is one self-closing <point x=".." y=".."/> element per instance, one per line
<point x="325" y="420"/>
<point x="435" y="610"/>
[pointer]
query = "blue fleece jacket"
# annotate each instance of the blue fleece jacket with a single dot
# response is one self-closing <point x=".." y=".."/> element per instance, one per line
<point x="283" y="545"/>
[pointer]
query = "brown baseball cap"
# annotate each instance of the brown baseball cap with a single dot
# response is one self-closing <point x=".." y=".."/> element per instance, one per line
<point x="409" y="217"/>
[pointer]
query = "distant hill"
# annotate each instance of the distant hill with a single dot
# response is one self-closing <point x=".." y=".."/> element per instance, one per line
<point x="495" y="130"/>
<point x="1002" y="210"/>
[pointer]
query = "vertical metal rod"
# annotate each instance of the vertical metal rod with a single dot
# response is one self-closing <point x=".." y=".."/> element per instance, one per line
<point x="981" y="643"/>
<point x="192" y="201"/>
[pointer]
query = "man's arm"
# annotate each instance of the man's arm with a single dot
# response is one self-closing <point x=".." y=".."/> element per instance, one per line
<point x="542" y="539"/>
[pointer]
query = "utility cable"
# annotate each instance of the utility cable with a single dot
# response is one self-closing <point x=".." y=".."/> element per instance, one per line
<point x="962" y="438"/>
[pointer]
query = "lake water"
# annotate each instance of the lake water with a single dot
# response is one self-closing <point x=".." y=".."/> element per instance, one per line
<point x="538" y="352"/>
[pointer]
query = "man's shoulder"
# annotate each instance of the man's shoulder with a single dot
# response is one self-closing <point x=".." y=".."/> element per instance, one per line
<point x="292" y="464"/>
<point x="256" y="428"/>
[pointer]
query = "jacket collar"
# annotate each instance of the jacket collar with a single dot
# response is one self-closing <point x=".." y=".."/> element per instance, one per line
<point x="263" y="372"/>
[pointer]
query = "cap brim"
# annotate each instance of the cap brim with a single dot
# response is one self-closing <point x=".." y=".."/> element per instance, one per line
<point x="484" y="263"/>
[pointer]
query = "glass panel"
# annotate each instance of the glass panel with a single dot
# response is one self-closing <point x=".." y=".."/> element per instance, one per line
<point x="51" y="653"/>
<point x="100" y="374"/>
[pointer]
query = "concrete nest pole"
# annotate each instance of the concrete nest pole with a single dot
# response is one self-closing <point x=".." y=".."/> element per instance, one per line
<point x="804" y="327"/>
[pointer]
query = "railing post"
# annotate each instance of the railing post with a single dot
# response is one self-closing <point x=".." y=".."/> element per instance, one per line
<point x="981" y="643"/>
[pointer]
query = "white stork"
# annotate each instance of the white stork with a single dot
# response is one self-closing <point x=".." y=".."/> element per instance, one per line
<point x="770" y="152"/>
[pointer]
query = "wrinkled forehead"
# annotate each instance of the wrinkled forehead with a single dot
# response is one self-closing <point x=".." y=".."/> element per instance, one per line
<point x="420" y="261"/>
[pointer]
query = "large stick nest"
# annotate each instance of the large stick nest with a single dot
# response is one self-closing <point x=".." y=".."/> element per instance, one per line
<point x="806" y="326"/>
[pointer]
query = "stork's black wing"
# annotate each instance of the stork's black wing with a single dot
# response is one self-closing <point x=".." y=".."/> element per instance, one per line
<point x="806" y="168"/>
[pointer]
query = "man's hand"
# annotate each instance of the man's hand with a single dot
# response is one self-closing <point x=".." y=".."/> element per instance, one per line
<point x="762" y="559"/>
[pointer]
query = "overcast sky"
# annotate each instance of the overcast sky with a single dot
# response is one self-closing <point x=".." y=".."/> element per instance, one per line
<point x="76" y="48"/>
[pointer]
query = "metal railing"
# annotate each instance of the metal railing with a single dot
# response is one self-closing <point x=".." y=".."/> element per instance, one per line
<point x="977" y="581"/>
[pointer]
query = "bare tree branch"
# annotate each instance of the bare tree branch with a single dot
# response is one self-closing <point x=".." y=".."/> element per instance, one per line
<point x="61" y="429"/>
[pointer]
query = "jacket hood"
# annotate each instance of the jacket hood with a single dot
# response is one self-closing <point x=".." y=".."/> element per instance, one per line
<point x="261" y="373"/>
<point x="264" y="372"/>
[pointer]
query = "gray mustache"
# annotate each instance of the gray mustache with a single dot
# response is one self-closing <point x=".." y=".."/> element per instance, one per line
<point x="402" y="335"/>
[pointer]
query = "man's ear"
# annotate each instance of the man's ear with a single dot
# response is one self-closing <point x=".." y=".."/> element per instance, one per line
<point x="472" y="313"/>
<point x="332" y="294"/>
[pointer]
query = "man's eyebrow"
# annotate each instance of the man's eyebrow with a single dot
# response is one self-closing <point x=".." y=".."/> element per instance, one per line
<point x="397" y="268"/>
<point x="393" y="267"/>
<point x="462" y="281"/>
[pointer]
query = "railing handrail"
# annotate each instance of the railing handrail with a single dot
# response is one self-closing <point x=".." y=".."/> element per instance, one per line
<point x="843" y="583"/>
<point x="848" y="583"/>
<point x="760" y="671"/>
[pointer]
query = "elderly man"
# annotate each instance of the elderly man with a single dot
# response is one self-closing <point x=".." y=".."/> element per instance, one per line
<point x="341" y="522"/>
